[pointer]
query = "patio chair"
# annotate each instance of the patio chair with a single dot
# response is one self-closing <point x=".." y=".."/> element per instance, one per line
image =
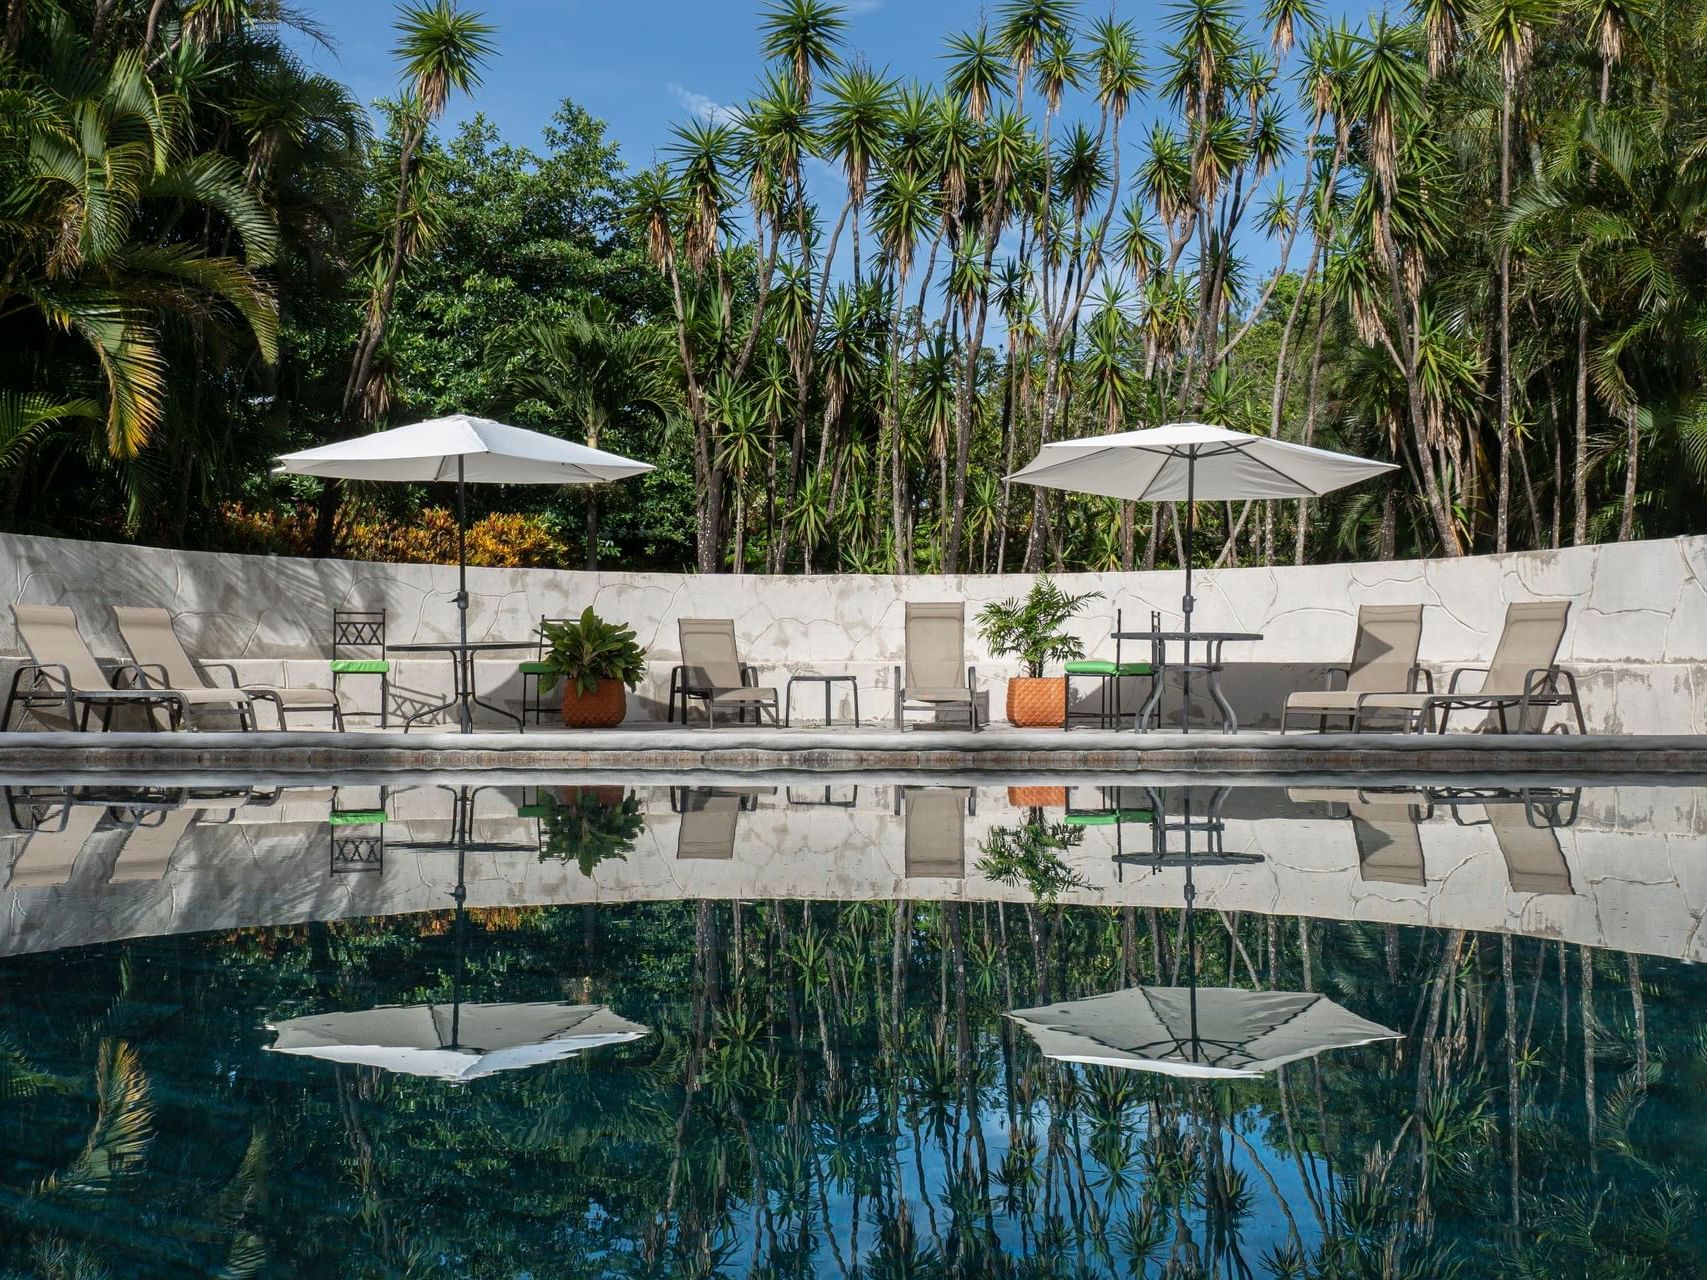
<point x="1522" y="674"/>
<point x="62" y="675"/>
<point x="1109" y="675"/>
<point x="712" y="672"/>
<point x="935" y="841"/>
<point x="935" y="638"/>
<point x="50" y="850"/>
<point x="358" y="649"/>
<point x="155" y="834"/>
<point x="154" y="646"/>
<point x="1384" y="827"/>
<point x="536" y="669"/>
<point x="709" y="819"/>
<point x="1383" y="660"/>
<point x="1525" y="824"/>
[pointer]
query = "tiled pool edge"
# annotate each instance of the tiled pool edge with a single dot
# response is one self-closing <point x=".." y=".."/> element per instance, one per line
<point x="735" y="751"/>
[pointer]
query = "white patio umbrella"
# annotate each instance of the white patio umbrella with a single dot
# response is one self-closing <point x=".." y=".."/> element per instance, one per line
<point x="458" y="1042"/>
<point x="1191" y="462"/>
<point x="468" y="450"/>
<point x="1207" y="1034"/>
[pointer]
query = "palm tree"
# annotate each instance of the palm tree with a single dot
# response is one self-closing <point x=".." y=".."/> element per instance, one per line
<point x="594" y="372"/>
<point x="93" y="152"/>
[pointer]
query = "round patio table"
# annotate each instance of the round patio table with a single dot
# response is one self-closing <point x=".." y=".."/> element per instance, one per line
<point x="1210" y="668"/>
<point x="462" y="676"/>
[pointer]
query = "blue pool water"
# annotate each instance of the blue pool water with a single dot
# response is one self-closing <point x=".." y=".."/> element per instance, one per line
<point x="609" y="1030"/>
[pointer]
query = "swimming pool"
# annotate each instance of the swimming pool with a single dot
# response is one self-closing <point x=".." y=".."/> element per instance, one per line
<point x="591" y="1028"/>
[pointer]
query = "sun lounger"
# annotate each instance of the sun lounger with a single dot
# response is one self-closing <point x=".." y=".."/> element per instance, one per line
<point x="1384" y="827"/>
<point x="712" y="672"/>
<point x="935" y="845"/>
<point x="62" y="684"/>
<point x="50" y="851"/>
<point x="1383" y="660"/>
<point x="935" y="638"/>
<point x="154" y="645"/>
<point x="709" y="819"/>
<point x="1522" y="674"/>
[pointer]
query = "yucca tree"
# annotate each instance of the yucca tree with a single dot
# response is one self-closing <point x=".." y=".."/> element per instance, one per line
<point x="440" y="49"/>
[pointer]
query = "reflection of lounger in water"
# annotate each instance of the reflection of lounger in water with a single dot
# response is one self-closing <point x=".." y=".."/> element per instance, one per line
<point x="1534" y="863"/>
<point x="936" y="831"/>
<point x="1389" y="846"/>
<point x="52" y="847"/>
<point x="709" y="817"/>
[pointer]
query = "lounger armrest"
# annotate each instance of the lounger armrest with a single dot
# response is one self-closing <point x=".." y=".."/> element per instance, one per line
<point x="972" y="681"/>
<point x="1452" y="685"/>
<point x="1345" y="673"/>
<point x="1544" y="680"/>
<point x="37" y="670"/>
<point x="1420" y="674"/>
<point x="749" y="676"/>
<point x="143" y="675"/>
<point x="228" y="668"/>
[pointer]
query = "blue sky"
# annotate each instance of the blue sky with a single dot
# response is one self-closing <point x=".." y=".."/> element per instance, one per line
<point x="645" y="66"/>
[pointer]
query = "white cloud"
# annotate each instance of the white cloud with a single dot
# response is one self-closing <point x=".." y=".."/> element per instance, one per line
<point x="702" y="106"/>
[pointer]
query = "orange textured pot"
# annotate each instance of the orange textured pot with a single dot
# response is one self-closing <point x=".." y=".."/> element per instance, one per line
<point x="1038" y="797"/>
<point x="1037" y="702"/>
<point x="604" y="797"/>
<point x="603" y="708"/>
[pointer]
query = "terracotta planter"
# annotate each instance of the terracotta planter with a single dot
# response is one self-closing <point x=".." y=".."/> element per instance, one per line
<point x="1037" y="702"/>
<point x="604" y="797"/>
<point x="603" y="708"/>
<point x="1038" y="797"/>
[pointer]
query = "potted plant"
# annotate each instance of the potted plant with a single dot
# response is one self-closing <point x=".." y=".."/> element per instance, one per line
<point x="1029" y="628"/>
<point x="588" y="827"/>
<point x="595" y="660"/>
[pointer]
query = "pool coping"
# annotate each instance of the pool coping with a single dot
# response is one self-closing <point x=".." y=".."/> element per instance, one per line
<point x="936" y="752"/>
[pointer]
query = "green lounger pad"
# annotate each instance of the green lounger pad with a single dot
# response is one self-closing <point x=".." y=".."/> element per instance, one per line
<point x="531" y="668"/>
<point x="356" y="818"/>
<point x="361" y="667"/>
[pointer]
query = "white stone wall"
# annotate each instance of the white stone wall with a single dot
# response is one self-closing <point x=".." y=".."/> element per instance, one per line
<point x="1638" y="632"/>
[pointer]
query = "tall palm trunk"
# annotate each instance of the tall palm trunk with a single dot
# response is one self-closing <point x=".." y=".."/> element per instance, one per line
<point x="1502" y="524"/>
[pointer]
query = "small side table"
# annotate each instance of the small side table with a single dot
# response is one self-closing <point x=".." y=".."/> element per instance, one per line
<point x="828" y="682"/>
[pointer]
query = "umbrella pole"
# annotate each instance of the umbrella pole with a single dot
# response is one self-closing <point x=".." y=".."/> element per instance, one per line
<point x="464" y="666"/>
<point x="458" y="938"/>
<point x="1190" y="930"/>
<point x="1186" y="604"/>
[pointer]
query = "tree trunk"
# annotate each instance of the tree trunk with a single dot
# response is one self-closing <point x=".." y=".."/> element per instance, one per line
<point x="1502" y="522"/>
<point x="1632" y="447"/>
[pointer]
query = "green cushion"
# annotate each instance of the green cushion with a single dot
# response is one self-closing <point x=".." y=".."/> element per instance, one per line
<point x="532" y="668"/>
<point x="355" y="818"/>
<point x="533" y="811"/>
<point x="1108" y="819"/>
<point x="1103" y="667"/>
<point x="361" y="667"/>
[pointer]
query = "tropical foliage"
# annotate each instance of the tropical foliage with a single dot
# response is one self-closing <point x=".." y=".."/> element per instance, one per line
<point x="1465" y="238"/>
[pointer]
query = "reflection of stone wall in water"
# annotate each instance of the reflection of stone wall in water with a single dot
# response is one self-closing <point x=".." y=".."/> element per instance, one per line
<point x="1630" y="872"/>
<point x="1638" y="630"/>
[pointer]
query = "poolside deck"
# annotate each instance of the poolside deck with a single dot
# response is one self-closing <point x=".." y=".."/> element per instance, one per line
<point x="998" y="751"/>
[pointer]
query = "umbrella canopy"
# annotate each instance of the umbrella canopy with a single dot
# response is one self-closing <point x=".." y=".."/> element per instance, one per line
<point x="1226" y="1033"/>
<point x="462" y="448"/>
<point x="454" y="1042"/>
<point x="467" y="450"/>
<point x="1193" y="461"/>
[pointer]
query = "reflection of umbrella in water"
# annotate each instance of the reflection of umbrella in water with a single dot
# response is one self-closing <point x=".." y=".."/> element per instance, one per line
<point x="1208" y="1033"/>
<point x="455" y="1041"/>
<point x="1212" y="1033"/>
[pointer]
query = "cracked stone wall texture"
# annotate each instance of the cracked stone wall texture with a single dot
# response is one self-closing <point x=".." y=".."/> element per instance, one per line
<point x="1633" y="875"/>
<point x="1637" y="636"/>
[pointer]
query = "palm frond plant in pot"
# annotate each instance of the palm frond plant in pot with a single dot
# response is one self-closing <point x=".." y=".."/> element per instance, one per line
<point x="596" y="661"/>
<point x="586" y="827"/>
<point x="1030" y="628"/>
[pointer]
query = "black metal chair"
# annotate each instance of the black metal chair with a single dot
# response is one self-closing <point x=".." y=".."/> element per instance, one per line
<point x="363" y="632"/>
<point x="1109" y="675"/>
<point x="536" y="669"/>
